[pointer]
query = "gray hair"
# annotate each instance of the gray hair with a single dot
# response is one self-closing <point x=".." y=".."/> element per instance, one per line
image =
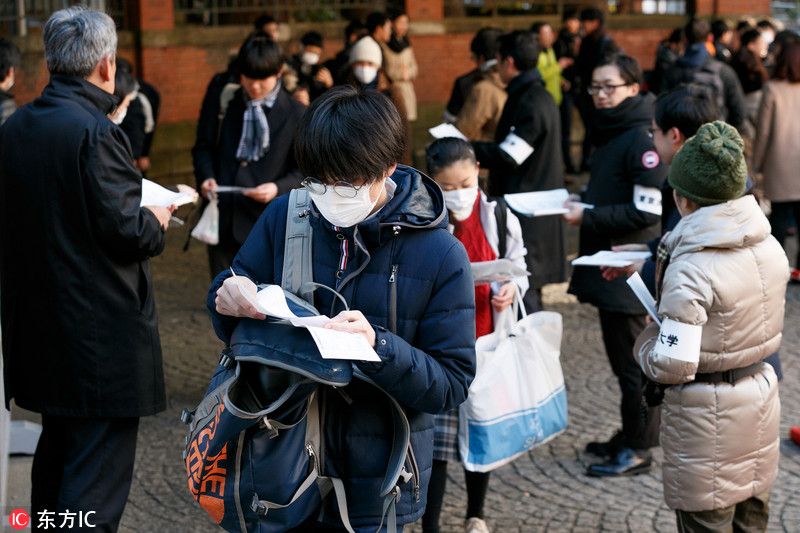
<point x="76" y="39"/>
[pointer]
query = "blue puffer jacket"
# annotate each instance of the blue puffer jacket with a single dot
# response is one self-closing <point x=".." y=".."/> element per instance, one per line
<point x="404" y="252"/>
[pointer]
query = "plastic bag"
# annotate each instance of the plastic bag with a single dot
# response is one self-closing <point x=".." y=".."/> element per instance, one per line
<point x="207" y="228"/>
<point x="518" y="399"/>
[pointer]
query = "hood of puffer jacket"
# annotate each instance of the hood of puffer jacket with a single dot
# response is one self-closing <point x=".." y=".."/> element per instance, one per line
<point x="732" y="224"/>
<point x="417" y="203"/>
<point x="633" y="111"/>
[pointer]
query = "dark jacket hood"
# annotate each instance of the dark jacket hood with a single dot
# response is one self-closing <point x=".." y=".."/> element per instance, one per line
<point x="79" y="89"/>
<point x="695" y="56"/>
<point x="417" y="203"/>
<point x="634" y="111"/>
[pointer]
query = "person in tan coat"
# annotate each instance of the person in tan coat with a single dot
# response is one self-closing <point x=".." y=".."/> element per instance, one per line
<point x="401" y="64"/>
<point x="721" y="282"/>
<point x="777" y="149"/>
<point x="478" y="119"/>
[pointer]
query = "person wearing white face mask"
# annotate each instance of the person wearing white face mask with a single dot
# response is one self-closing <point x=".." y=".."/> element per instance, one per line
<point x="312" y="78"/>
<point x="9" y="62"/>
<point x="380" y="239"/>
<point x="473" y="219"/>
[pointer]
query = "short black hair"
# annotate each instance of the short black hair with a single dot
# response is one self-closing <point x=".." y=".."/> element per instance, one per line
<point x="349" y="135"/>
<point x="697" y="31"/>
<point x="353" y="28"/>
<point x="677" y="36"/>
<point x="522" y="46"/>
<point x="629" y="69"/>
<point x="485" y="44"/>
<point x="311" y="38"/>
<point x="686" y="107"/>
<point x="718" y="28"/>
<point x="396" y="13"/>
<point x="569" y="14"/>
<point x="262" y="20"/>
<point x="536" y="27"/>
<point x="446" y="151"/>
<point x="124" y="64"/>
<point x="259" y="57"/>
<point x="592" y="13"/>
<point x="374" y="20"/>
<point x="9" y="57"/>
<point x="743" y="25"/>
<point x="748" y="37"/>
<point x="124" y="84"/>
<point x="765" y="24"/>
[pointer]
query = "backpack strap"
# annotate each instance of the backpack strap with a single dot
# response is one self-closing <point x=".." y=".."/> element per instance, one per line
<point x="297" y="265"/>
<point x="501" y="214"/>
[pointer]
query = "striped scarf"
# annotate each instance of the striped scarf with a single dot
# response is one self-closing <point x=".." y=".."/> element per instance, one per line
<point x="254" y="142"/>
<point x="662" y="261"/>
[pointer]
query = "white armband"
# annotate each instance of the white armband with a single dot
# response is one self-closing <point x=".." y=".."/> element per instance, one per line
<point x="647" y="199"/>
<point x="516" y="147"/>
<point x="679" y="341"/>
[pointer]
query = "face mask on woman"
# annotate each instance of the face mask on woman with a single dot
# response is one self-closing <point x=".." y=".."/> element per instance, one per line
<point x="120" y="116"/>
<point x="460" y="202"/>
<point x="365" y="73"/>
<point x="346" y="212"/>
<point x="309" y="58"/>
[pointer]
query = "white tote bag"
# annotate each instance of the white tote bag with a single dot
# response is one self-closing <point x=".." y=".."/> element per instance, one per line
<point x="518" y="399"/>
<point x="207" y="228"/>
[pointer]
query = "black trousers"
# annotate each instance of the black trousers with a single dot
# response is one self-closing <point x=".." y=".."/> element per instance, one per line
<point x="781" y="220"/>
<point x="82" y="465"/>
<point x="586" y="110"/>
<point x="566" y="109"/>
<point x="619" y="334"/>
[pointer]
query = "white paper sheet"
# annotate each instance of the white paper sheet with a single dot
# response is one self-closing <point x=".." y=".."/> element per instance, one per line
<point x="155" y="195"/>
<point x="446" y="130"/>
<point x="334" y="344"/>
<point x="611" y="259"/>
<point x="498" y="270"/>
<point x="541" y="203"/>
<point x="331" y="344"/>
<point x="640" y="290"/>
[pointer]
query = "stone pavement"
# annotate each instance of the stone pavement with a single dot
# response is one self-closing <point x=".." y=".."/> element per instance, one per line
<point x="543" y="491"/>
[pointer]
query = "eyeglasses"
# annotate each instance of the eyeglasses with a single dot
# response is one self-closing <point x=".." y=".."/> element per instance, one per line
<point x="344" y="189"/>
<point x="608" y="89"/>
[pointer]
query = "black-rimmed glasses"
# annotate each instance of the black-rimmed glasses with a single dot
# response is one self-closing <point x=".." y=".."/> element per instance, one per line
<point x="344" y="189"/>
<point x="607" y="89"/>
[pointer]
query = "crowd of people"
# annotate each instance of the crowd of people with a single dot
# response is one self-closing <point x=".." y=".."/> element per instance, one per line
<point x="695" y="161"/>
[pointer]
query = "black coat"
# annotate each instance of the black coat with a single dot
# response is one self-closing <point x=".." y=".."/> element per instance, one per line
<point x="625" y="157"/>
<point x="214" y="156"/>
<point x="80" y="335"/>
<point x="531" y="113"/>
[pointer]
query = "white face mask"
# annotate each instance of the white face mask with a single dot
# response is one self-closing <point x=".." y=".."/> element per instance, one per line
<point x="346" y="212"/>
<point x="365" y="74"/>
<point x="460" y="202"/>
<point x="120" y="116"/>
<point x="309" y="58"/>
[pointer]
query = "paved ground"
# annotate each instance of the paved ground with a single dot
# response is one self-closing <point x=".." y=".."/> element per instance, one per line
<point x="543" y="491"/>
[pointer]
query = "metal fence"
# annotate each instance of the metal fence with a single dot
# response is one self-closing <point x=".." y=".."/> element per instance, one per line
<point x="489" y="8"/>
<point x="223" y="12"/>
<point x="17" y="17"/>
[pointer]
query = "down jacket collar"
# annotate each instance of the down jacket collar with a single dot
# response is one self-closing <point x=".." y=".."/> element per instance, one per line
<point x="417" y="203"/>
<point x="733" y="224"/>
<point x="88" y="94"/>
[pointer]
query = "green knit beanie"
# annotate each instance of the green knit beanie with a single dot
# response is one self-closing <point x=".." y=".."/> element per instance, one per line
<point x="710" y="168"/>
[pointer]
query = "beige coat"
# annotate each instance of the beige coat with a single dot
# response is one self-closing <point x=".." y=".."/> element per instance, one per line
<point x="777" y="149"/>
<point x="478" y="119"/>
<point x="402" y="69"/>
<point x="727" y="274"/>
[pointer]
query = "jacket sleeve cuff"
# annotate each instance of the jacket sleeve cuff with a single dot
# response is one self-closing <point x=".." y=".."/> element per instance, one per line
<point x="383" y="347"/>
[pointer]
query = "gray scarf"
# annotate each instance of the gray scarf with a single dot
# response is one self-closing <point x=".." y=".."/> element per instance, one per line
<point x="254" y="141"/>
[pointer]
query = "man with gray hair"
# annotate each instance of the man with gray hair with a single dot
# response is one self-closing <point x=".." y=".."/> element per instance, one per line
<point x="80" y="336"/>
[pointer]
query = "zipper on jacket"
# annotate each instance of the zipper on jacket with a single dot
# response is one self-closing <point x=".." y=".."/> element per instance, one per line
<point x="393" y="300"/>
<point x="414" y="471"/>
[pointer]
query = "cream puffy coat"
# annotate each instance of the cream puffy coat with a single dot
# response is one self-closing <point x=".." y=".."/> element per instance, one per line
<point x="727" y="274"/>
